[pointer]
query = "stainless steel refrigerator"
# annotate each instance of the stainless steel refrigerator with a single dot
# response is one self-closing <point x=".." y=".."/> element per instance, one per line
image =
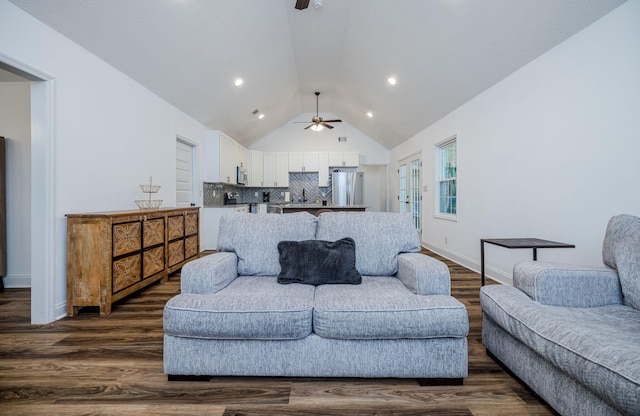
<point x="346" y="188"/>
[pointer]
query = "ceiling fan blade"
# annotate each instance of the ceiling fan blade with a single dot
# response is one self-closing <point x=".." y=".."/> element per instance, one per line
<point x="302" y="4"/>
<point x="308" y="126"/>
<point x="326" y="125"/>
<point x="332" y="121"/>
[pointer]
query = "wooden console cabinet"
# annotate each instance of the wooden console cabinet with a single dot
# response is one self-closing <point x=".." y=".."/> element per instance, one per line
<point x="111" y="255"/>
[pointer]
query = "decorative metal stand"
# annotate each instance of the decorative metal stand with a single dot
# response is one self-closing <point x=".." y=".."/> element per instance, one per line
<point x="149" y="203"/>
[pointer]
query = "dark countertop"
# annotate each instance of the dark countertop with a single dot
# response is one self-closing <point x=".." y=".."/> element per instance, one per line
<point x="320" y="206"/>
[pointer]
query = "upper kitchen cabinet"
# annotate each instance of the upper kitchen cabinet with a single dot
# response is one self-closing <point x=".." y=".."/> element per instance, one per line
<point x="303" y="162"/>
<point x="344" y="159"/>
<point x="276" y="169"/>
<point x="221" y="157"/>
<point x="255" y="166"/>
<point x="242" y="157"/>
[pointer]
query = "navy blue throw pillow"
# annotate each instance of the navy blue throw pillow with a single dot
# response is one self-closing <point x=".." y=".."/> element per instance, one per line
<point x="318" y="262"/>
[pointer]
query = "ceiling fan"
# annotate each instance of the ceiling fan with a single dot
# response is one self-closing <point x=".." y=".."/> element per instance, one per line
<point x="317" y="122"/>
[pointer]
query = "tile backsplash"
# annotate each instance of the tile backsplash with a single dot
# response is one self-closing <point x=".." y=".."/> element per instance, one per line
<point x="213" y="193"/>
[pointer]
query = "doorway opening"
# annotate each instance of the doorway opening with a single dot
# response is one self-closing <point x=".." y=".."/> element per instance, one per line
<point x="15" y="180"/>
<point x="375" y="192"/>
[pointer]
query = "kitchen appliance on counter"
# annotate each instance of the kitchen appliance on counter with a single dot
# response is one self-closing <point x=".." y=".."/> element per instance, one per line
<point x="242" y="176"/>
<point x="346" y="188"/>
<point x="259" y="208"/>
<point x="266" y="196"/>
<point x="230" y="198"/>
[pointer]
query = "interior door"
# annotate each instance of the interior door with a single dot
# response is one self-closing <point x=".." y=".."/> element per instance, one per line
<point x="185" y="193"/>
<point x="410" y="197"/>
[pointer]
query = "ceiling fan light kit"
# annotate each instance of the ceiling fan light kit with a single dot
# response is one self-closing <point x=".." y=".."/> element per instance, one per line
<point x="317" y="122"/>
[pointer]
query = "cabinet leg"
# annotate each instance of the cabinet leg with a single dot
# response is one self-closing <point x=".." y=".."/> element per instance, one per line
<point x="71" y="310"/>
<point x="105" y="310"/>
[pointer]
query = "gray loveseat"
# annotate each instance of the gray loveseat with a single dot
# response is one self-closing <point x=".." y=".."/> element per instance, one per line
<point x="573" y="333"/>
<point x="234" y="318"/>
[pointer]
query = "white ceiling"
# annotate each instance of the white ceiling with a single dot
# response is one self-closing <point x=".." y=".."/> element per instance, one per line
<point x="443" y="53"/>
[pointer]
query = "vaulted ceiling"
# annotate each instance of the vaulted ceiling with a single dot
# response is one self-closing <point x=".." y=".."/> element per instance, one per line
<point x="442" y="52"/>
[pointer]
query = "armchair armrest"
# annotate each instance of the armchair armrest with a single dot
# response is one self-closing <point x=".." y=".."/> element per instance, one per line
<point x="424" y="275"/>
<point x="568" y="285"/>
<point x="209" y="274"/>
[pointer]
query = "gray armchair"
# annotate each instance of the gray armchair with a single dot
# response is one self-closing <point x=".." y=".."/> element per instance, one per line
<point x="572" y="333"/>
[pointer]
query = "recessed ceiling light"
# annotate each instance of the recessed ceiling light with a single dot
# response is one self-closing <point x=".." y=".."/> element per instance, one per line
<point x="391" y="80"/>
<point x="238" y="82"/>
<point x="369" y="114"/>
<point x="261" y="116"/>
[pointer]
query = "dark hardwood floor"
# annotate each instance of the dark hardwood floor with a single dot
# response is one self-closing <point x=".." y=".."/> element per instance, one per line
<point x="89" y="365"/>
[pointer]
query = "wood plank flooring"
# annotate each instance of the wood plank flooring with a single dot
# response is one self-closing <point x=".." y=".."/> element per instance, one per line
<point x="89" y="365"/>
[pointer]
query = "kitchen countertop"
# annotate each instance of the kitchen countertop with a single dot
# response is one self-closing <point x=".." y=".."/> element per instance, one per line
<point x="320" y="206"/>
<point x="226" y="206"/>
<point x="317" y="209"/>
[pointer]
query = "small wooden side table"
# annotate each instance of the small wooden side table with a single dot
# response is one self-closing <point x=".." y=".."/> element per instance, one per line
<point x="510" y="243"/>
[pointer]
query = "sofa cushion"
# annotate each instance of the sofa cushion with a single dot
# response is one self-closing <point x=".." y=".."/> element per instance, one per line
<point x="317" y="262"/>
<point x="621" y="251"/>
<point x="384" y="308"/>
<point x="598" y="347"/>
<point x="248" y="308"/>
<point x="255" y="237"/>
<point x="379" y="237"/>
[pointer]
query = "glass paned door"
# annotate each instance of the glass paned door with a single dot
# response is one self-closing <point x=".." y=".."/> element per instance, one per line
<point x="404" y="195"/>
<point x="410" y="196"/>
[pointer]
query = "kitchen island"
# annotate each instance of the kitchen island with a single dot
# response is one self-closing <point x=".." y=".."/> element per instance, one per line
<point x="317" y="209"/>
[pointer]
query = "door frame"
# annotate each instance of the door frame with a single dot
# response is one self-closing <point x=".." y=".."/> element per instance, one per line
<point x="43" y="191"/>
<point x="195" y="193"/>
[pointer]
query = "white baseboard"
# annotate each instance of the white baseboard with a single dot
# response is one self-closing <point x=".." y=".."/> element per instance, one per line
<point x="471" y="264"/>
<point x="17" y="281"/>
<point x="60" y="311"/>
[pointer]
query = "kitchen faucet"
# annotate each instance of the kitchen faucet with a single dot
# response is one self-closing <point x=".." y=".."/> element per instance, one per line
<point x="304" y="198"/>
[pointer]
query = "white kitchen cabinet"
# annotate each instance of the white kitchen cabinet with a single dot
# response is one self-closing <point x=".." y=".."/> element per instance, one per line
<point x="255" y="166"/>
<point x="296" y="161"/>
<point x="344" y="159"/>
<point x="269" y="169"/>
<point x="241" y="156"/>
<point x="276" y="169"/>
<point x="303" y="161"/>
<point x="282" y="169"/>
<point x="311" y="162"/>
<point x="323" y="168"/>
<point x="220" y="158"/>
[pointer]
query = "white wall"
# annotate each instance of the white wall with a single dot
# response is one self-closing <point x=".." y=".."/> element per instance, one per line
<point x="111" y="133"/>
<point x="375" y="192"/>
<point x="552" y="151"/>
<point x="15" y="126"/>
<point x="292" y="137"/>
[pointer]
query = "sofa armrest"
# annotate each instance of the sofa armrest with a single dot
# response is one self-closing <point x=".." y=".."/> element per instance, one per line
<point x="424" y="275"/>
<point x="209" y="274"/>
<point x="567" y="285"/>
